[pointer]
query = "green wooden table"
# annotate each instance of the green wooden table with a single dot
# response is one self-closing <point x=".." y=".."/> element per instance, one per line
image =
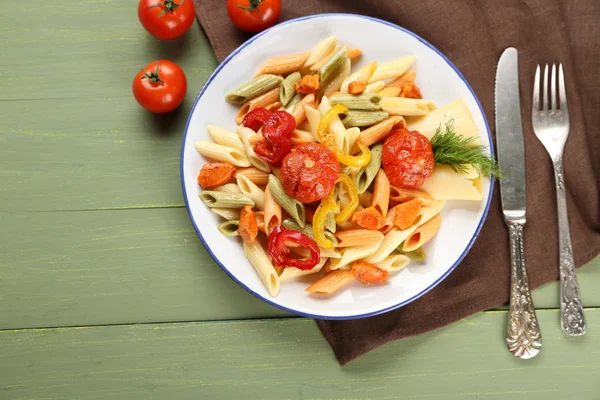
<point x="106" y="291"/>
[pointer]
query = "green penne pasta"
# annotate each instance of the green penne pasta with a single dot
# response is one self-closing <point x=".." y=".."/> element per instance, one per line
<point x="216" y="199"/>
<point x="307" y="230"/>
<point x="333" y="65"/>
<point x="287" y="202"/>
<point x="418" y="254"/>
<point x="287" y="90"/>
<point x="365" y="101"/>
<point x="363" y="118"/>
<point x="295" y="100"/>
<point x="366" y="175"/>
<point x="330" y="223"/>
<point x="249" y="90"/>
<point x="229" y="228"/>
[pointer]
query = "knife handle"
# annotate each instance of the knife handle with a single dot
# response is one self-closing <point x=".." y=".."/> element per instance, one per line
<point x="571" y="309"/>
<point x="523" y="333"/>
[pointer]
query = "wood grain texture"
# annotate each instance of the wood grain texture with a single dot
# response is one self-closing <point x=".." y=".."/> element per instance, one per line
<point x="127" y="266"/>
<point x="288" y="359"/>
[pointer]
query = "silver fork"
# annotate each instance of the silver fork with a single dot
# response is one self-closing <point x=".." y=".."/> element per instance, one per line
<point x="551" y="126"/>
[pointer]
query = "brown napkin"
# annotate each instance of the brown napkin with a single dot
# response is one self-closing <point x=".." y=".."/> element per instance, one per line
<point x="473" y="34"/>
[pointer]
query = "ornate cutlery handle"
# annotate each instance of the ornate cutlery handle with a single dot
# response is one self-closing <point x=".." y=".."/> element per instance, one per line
<point x="571" y="309"/>
<point x="523" y="333"/>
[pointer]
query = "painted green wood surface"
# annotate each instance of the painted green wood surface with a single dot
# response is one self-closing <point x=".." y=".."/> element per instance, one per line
<point x="288" y="359"/>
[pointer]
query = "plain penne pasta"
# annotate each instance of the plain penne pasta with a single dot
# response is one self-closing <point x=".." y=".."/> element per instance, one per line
<point x="422" y="234"/>
<point x="429" y="211"/>
<point x="284" y="65"/>
<point x="227" y="213"/>
<point x="260" y="220"/>
<point x="448" y="184"/>
<point x="349" y="140"/>
<point x="351" y="254"/>
<point x="389" y="92"/>
<point x="292" y="272"/>
<point x="392" y="69"/>
<point x="225" y="138"/>
<point x="358" y="237"/>
<point x="336" y="125"/>
<point x="331" y="282"/>
<point x="391" y="240"/>
<point x="313" y="116"/>
<point x="272" y="212"/>
<point x="251" y="190"/>
<point x="245" y="134"/>
<point x="216" y="199"/>
<point x="374" y="87"/>
<point x="228" y="188"/>
<point x="365" y="199"/>
<point x="262" y="265"/>
<point x="298" y="112"/>
<point x="261" y="101"/>
<point x="336" y="81"/>
<point x="300" y="136"/>
<point x="362" y="75"/>
<point x="393" y="263"/>
<point x="219" y="152"/>
<point x="321" y="51"/>
<point x="407" y="78"/>
<point x="405" y="106"/>
<point x="229" y="228"/>
<point x="378" y="132"/>
<point x="381" y="193"/>
<point x="255" y="175"/>
<point x="249" y="90"/>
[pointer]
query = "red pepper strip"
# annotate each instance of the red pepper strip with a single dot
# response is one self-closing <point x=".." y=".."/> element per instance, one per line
<point x="278" y="137"/>
<point x="269" y="151"/>
<point x="280" y="252"/>
<point x="256" y="118"/>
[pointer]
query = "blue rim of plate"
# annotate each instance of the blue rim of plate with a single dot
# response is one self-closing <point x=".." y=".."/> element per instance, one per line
<point x="345" y="317"/>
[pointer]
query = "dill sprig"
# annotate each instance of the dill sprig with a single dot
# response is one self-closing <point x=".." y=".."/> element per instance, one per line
<point x="457" y="152"/>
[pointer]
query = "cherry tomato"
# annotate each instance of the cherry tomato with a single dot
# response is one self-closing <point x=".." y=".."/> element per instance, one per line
<point x="407" y="158"/>
<point x="166" y="19"/>
<point x="253" y="15"/>
<point x="160" y="87"/>
<point x="309" y="173"/>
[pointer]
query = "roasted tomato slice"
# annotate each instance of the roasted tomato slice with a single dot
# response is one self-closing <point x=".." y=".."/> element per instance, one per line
<point x="309" y="173"/>
<point x="407" y="158"/>
<point x="256" y="118"/>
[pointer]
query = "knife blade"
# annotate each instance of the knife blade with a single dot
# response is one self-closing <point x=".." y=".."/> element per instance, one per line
<point x="509" y="135"/>
<point x="523" y="335"/>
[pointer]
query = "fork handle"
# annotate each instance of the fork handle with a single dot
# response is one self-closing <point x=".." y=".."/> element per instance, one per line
<point x="523" y="333"/>
<point x="571" y="309"/>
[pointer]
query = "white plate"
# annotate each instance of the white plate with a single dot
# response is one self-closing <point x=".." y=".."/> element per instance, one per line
<point x="438" y="79"/>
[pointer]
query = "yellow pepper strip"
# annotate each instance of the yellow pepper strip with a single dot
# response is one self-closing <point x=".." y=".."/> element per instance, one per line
<point x="327" y="204"/>
<point x="326" y="137"/>
<point x="347" y="212"/>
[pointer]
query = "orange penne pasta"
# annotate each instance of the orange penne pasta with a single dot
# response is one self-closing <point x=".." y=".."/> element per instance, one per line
<point x="378" y="132"/>
<point x="331" y="282"/>
<point x="263" y="100"/>
<point x="255" y="175"/>
<point x="401" y="195"/>
<point x="272" y="214"/>
<point x="353" y="52"/>
<point x="423" y="234"/>
<point x="365" y="199"/>
<point x="358" y="237"/>
<point x="407" y="78"/>
<point x="298" y="112"/>
<point x="389" y="221"/>
<point x="381" y="193"/>
<point x="315" y="67"/>
<point x="284" y="65"/>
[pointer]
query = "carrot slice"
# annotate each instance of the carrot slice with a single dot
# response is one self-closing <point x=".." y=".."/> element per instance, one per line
<point x="369" y="218"/>
<point x="308" y="84"/>
<point x="215" y="174"/>
<point x="367" y="273"/>
<point x="411" y="92"/>
<point x="248" y="228"/>
<point x="407" y="213"/>
<point x="356" y="87"/>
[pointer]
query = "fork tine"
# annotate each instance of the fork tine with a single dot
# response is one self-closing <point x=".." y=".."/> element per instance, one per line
<point x="553" y="93"/>
<point x="545" y="90"/>
<point x="562" y="93"/>
<point x="536" y="90"/>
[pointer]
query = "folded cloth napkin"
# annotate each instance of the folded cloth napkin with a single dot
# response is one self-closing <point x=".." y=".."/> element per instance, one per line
<point x="473" y="34"/>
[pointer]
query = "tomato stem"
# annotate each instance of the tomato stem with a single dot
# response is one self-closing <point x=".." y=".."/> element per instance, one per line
<point x="169" y="6"/>
<point x="252" y="5"/>
<point x="153" y="76"/>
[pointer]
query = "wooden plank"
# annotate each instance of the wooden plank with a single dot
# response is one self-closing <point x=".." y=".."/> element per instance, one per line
<point x="289" y="359"/>
<point x="71" y="130"/>
<point x="125" y="266"/>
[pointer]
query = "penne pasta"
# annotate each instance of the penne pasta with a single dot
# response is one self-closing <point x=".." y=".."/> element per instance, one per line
<point x="363" y="118"/>
<point x="272" y="212"/>
<point x="378" y="132"/>
<point x="260" y="220"/>
<point x="330" y="223"/>
<point x="362" y="75"/>
<point x="336" y="125"/>
<point x="405" y="106"/>
<point x="261" y="101"/>
<point x="447" y="184"/>
<point x="287" y="89"/>
<point x="313" y="116"/>
<point x="262" y="265"/>
<point x="381" y="193"/>
<point x="407" y="78"/>
<point x="365" y="199"/>
<point x="298" y="113"/>
<point x="229" y="228"/>
<point x="331" y="282"/>
<point x="249" y="90"/>
<point x="255" y="175"/>
<point x="245" y="134"/>
<point x="429" y="211"/>
<point x="289" y="223"/>
<point x="351" y="254"/>
<point x="287" y="202"/>
<point x="358" y="237"/>
<point x="292" y="272"/>
<point x="228" y="188"/>
<point x="374" y="87"/>
<point x="251" y="190"/>
<point x="366" y="175"/>
<point x="227" y="213"/>
<point x="389" y="92"/>
<point x="333" y="65"/>
<point x="219" y="152"/>
<point x="284" y="65"/>
<point x="349" y="140"/>
<point x="216" y="199"/>
<point x="392" y="69"/>
<point x="322" y="50"/>
<point x="393" y="263"/>
<point x="353" y="52"/>
<point x="364" y="101"/>
<point x="293" y="102"/>
<point x="401" y="195"/>
<point x="422" y="234"/>
<point x="336" y="81"/>
<point x="225" y="138"/>
<point x="300" y="136"/>
<point x="390" y="241"/>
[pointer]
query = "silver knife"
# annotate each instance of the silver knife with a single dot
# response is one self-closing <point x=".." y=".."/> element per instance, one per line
<point x="523" y="332"/>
